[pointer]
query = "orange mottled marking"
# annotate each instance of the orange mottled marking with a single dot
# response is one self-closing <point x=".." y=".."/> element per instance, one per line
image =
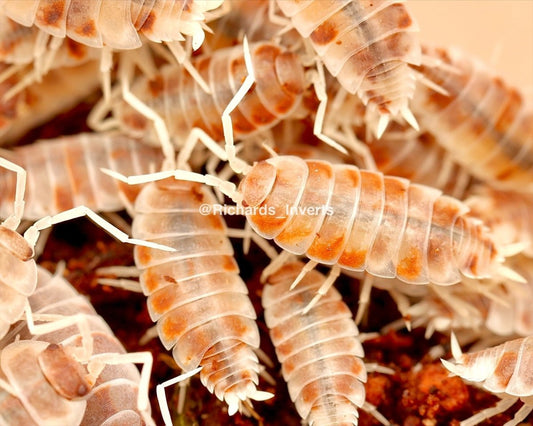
<point x="63" y="199"/>
<point x="403" y="19"/>
<point x="505" y="368"/>
<point x="324" y="33"/>
<point x="353" y="258"/>
<point x="326" y="248"/>
<point x="64" y="373"/>
<point x="162" y="300"/>
<point x="173" y="326"/>
<point x="88" y="29"/>
<point x="148" y="24"/>
<point x="156" y="85"/>
<point x="135" y="121"/>
<point x="75" y="49"/>
<point x="50" y="12"/>
<point x="15" y="243"/>
<point x="129" y="191"/>
<point x="144" y="254"/>
<point x="410" y="267"/>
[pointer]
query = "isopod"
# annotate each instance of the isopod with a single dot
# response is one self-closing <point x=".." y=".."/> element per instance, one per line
<point x="355" y="219"/>
<point x="117" y="25"/>
<point x="319" y="350"/>
<point x="484" y="124"/>
<point x="195" y="294"/>
<point x="47" y="384"/>
<point x="65" y="172"/>
<point x="367" y="45"/>
<point x="175" y="96"/>
<point x="505" y="370"/>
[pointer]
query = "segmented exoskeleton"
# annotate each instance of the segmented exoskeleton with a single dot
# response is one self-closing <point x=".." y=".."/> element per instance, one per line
<point x="65" y="172"/>
<point x="367" y="45"/>
<point x="319" y="350"/>
<point x="483" y="123"/>
<point x="47" y="384"/>
<point x="114" y="24"/>
<point x="340" y="215"/>
<point x="175" y="96"/>
<point x="506" y="370"/>
<point x="195" y="294"/>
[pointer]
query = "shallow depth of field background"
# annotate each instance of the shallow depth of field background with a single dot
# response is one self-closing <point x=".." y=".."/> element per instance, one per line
<point x="502" y="29"/>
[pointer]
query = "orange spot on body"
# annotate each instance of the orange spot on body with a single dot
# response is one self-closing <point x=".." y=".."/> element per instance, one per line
<point x="324" y="33"/>
<point x="353" y="259"/>
<point x="410" y="266"/>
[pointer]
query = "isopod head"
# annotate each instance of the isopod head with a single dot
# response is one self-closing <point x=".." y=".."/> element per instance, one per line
<point x="257" y="184"/>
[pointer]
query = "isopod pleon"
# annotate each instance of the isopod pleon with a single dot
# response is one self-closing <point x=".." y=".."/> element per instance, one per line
<point x="506" y="370"/>
<point x="483" y="122"/>
<point x="319" y="350"/>
<point x="195" y="294"/>
<point x="367" y="45"/>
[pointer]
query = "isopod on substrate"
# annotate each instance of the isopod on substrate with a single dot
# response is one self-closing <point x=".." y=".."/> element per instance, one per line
<point x="505" y="370"/>
<point x="195" y="293"/>
<point x="319" y="351"/>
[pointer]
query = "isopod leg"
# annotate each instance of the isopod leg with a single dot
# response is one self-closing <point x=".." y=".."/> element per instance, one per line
<point x="487" y="413"/>
<point x="13" y="221"/>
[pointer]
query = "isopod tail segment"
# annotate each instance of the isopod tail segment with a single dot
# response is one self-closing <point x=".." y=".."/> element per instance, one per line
<point x="504" y="370"/>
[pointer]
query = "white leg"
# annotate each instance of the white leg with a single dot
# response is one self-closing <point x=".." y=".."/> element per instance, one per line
<point x="520" y="415"/>
<point x="248" y="233"/>
<point x="130" y="285"/>
<point x="319" y="83"/>
<point x="373" y="411"/>
<point x="373" y="367"/>
<point x="161" y="397"/>
<point x="183" y="59"/>
<point x="58" y="322"/>
<point x="308" y="267"/>
<point x="198" y="135"/>
<point x="487" y="413"/>
<point x="149" y="335"/>
<point x="236" y="164"/>
<point x="159" y="124"/>
<point x="277" y="262"/>
<point x="96" y="119"/>
<point x="324" y="288"/>
<point x="32" y="234"/>
<point x="13" y="221"/>
<point x="364" y="297"/>
<point x="106" y="62"/>
<point x="144" y="358"/>
<point x="227" y="188"/>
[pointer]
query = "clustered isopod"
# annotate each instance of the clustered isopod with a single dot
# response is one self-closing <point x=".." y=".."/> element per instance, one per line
<point x="401" y="172"/>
